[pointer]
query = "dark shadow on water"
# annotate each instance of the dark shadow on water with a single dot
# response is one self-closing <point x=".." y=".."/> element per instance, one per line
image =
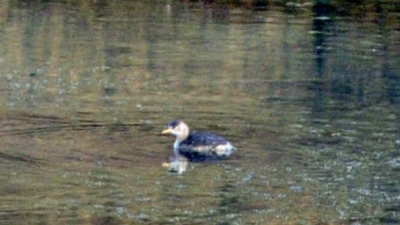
<point x="36" y="124"/>
<point x="105" y="220"/>
<point x="322" y="23"/>
<point x="230" y="201"/>
<point x="19" y="158"/>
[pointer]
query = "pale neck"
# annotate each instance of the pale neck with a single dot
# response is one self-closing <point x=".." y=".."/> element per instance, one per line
<point x="183" y="135"/>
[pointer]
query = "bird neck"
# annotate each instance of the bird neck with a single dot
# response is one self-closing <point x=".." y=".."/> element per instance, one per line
<point x="176" y="148"/>
<point x="184" y="133"/>
<point x="179" y="138"/>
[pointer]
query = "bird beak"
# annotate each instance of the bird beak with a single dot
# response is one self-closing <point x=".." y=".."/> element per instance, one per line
<point x="167" y="131"/>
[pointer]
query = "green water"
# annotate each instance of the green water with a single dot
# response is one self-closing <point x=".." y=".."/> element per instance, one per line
<point x="309" y="95"/>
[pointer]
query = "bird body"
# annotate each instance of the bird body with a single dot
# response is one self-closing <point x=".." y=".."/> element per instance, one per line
<point x="203" y="145"/>
<point x="197" y="146"/>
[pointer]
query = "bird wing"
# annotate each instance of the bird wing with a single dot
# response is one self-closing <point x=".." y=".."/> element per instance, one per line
<point x="204" y="139"/>
<point x="201" y="146"/>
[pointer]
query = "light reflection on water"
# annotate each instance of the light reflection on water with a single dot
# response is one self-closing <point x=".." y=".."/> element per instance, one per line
<point x="312" y="106"/>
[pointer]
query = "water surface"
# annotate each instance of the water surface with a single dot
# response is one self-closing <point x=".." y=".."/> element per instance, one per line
<point x="308" y="93"/>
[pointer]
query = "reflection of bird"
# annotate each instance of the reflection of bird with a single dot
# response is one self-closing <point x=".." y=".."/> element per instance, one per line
<point x="196" y="146"/>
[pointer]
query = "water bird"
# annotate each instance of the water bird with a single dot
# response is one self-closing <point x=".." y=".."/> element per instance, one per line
<point x="195" y="146"/>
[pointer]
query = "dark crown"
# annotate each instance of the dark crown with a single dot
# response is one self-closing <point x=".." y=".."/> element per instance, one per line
<point x="174" y="123"/>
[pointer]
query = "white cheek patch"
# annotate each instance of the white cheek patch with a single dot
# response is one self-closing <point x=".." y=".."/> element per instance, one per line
<point x="176" y="133"/>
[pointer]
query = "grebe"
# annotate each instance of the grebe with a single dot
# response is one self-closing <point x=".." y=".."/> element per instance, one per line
<point x="195" y="146"/>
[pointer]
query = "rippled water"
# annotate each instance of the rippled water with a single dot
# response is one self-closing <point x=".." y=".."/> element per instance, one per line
<point x="309" y="93"/>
